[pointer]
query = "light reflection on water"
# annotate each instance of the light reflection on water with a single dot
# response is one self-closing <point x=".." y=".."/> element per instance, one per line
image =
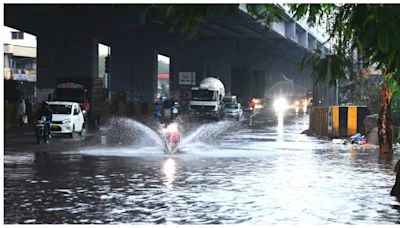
<point x="244" y="175"/>
<point x="169" y="171"/>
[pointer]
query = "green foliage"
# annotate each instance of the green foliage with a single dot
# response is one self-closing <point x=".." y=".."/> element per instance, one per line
<point x="163" y="67"/>
<point x="374" y="29"/>
<point x="266" y="13"/>
<point x="395" y="111"/>
<point x="330" y="67"/>
<point x="377" y="28"/>
<point x="313" y="12"/>
<point x="164" y="89"/>
<point x="398" y="134"/>
<point x="367" y="93"/>
<point x="102" y="65"/>
<point x="393" y="84"/>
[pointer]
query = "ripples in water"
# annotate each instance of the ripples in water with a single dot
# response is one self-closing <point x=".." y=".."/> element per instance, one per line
<point x="234" y="180"/>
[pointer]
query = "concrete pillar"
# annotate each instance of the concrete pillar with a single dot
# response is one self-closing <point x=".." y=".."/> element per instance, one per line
<point x="134" y="70"/>
<point x="145" y="69"/>
<point x="121" y="76"/>
<point x="257" y="83"/>
<point x="240" y="85"/>
<point x="65" y="56"/>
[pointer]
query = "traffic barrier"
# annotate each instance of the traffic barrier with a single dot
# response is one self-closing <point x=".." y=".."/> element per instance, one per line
<point x="319" y="120"/>
<point x="338" y="121"/>
<point x="348" y="120"/>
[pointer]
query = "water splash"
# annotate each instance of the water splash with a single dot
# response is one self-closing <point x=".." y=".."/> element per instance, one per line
<point x="127" y="132"/>
<point x="128" y="137"/>
<point x="205" y="133"/>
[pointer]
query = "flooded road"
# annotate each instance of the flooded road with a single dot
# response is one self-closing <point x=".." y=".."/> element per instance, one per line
<point x="258" y="171"/>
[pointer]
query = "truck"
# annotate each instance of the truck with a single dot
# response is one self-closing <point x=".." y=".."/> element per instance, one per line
<point x="88" y="92"/>
<point x="207" y="100"/>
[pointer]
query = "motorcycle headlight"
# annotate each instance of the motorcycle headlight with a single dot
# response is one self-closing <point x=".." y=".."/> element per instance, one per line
<point x="66" y="121"/>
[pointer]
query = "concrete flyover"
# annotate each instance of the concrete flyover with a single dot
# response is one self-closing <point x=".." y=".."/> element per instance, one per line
<point x="234" y="47"/>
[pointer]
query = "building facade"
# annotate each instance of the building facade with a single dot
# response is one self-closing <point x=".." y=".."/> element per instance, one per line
<point x="19" y="66"/>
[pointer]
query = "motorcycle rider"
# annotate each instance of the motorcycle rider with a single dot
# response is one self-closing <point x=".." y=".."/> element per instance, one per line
<point x="46" y="111"/>
<point x="252" y="104"/>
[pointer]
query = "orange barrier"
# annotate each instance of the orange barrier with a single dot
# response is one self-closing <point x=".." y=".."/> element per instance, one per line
<point x="338" y="121"/>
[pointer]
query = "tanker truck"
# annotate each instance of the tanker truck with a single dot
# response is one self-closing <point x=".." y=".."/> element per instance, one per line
<point x="206" y="100"/>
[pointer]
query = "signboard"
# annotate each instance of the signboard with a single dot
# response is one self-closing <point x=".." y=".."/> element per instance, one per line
<point x="187" y="78"/>
<point x="25" y="77"/>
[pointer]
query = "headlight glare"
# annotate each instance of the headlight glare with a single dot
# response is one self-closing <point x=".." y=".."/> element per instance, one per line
<point x="66" y="121"/>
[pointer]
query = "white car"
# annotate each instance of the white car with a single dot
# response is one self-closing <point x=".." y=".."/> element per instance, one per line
<point x="67" y="118"/>
<point x="233" y="110"/>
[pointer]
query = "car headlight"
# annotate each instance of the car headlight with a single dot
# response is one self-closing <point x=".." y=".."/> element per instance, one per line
<point x="280" y="104"/>
<point x="66" y="121"/>
<point x="297" y="103"/>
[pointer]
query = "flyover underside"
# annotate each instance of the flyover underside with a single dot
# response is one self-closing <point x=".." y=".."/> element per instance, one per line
<point x="234" y="48"/>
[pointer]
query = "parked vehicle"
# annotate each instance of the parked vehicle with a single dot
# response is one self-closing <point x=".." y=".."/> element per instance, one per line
<point x="67" y="118"/>
<point x="233" y="110"/>
<point x="42" y="132"/>
<point x="87" y="92"/>
<point x="206" y="100"/>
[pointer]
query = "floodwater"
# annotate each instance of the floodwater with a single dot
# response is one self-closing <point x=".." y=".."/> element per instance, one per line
<point x="256" y="171"/>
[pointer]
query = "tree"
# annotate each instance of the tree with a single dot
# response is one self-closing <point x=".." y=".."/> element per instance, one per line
<point x="163" y="67"/>
<point x="102" y="65"/>
<point x="374" y="30"/>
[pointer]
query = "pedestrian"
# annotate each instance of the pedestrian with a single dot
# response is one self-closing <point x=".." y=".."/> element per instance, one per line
<point x="21" y="112"/>
<point x="157" y="111"/>
<point x="29" y="111"/>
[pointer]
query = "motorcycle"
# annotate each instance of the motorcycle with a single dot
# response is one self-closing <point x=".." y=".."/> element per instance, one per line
<point x="172" y="136"/>
<point x="42" y="130"/>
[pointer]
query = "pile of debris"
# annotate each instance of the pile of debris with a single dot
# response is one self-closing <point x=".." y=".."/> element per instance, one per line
<point x="370" y="139"/>
<point x="355" y="139"/>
